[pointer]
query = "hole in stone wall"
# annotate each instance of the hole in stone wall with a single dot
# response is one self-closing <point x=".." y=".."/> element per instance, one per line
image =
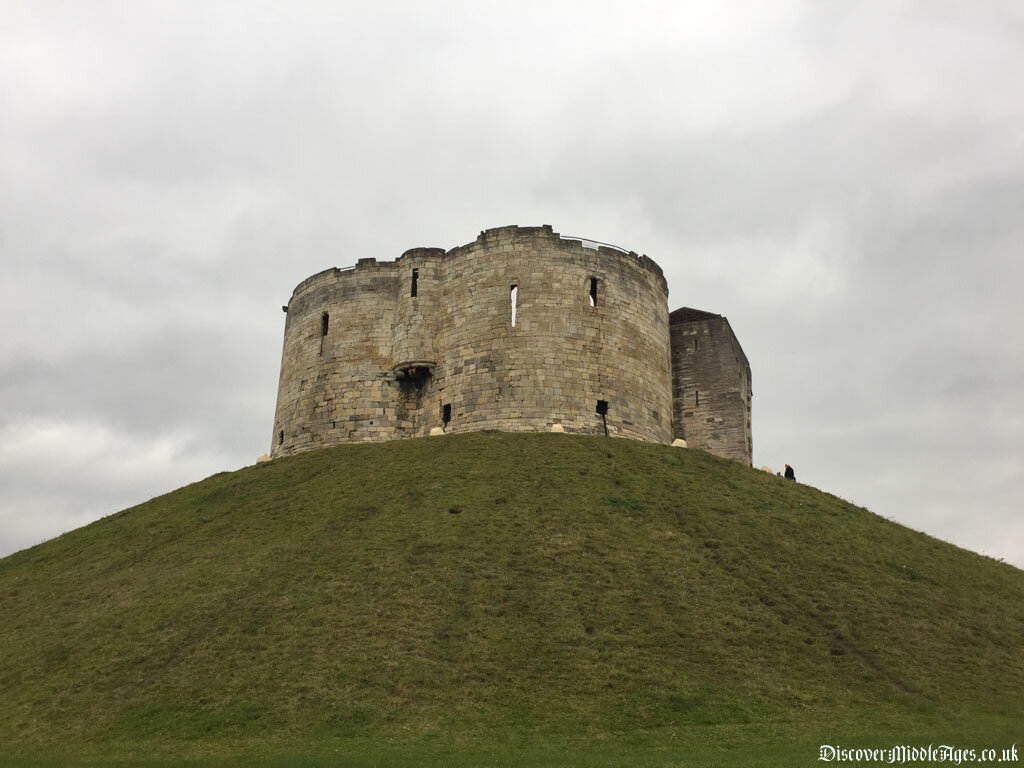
<point x="593" y="291"/>
<point x="280" y="437"/>
<point x="324" y="319"/>
<point x="446" y="413"/>
<point x="415" y="281"/>
<point x="414" y="377"/>
<point x="514" y="296"/>
<point x="696" y="398"/>
<point x="602" y="409"/>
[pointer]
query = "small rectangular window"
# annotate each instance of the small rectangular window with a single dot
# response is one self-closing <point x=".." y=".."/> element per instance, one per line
<point x="602" y="407"/>
<point x="593" y="291"/>
<point x="324" y="319"/>
<point x="446" y="413"/>
<point x="280" y="437"/>
<point x="696" y="398"/>
<point x="514" y="294"/>
<point x="415" y="280"/>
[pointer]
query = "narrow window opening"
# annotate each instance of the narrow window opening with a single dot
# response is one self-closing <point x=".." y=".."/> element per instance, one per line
<point x="324" y="318"/>
<point x="446" y="413"/>
<point x="593" y="291"/>
<point x="514" y="295"/>
<point x="696" y="398"/>
<point x="602" y="410"/>
<point x="415" y="281"/>
<point x="280" y="437"/>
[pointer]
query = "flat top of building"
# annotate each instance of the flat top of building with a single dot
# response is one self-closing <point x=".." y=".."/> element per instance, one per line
<point x="684" y="314"/>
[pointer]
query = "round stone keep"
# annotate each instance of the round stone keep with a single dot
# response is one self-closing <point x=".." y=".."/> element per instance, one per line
<point x="506" y="332"/>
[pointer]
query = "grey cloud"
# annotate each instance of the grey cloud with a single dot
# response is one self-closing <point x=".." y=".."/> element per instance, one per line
<point x="199" y="378"/>
<point x="844" y="185"/>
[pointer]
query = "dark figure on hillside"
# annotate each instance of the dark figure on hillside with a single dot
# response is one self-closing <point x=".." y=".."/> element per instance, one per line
<point x="790" y="474"/>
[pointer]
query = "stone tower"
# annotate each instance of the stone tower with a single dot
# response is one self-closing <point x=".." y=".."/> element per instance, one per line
<point x="519" y="330"/>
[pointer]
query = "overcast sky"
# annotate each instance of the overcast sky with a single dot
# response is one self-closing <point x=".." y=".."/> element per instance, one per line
<point x="843" y="181"/>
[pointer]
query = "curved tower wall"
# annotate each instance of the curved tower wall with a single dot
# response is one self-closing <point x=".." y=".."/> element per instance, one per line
<point x="331" y="388"/>
<point x="562" y="355"/>
<point x="416" y="317"/>
<point x="390" y="362"/>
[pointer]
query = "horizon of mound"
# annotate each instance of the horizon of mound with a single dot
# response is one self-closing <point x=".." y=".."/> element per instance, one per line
<point x="489" y="587"/>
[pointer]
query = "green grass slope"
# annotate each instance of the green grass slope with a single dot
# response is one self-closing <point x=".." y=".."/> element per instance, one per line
<point x="488" y="593"/>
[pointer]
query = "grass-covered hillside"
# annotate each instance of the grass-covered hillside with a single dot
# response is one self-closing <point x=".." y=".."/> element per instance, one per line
<point x="501" y="599"/>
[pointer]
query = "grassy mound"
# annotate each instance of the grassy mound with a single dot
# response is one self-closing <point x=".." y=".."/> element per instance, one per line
<point x="499" y="594"/>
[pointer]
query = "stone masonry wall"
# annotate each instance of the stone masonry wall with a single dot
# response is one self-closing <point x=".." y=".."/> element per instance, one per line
<point x="384" y="364"/>
<point x="711" y="385"/>
<point x="334" y="386"/>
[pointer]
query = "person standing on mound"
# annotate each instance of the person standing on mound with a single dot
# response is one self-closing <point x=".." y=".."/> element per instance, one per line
<point x="790" y="474"/>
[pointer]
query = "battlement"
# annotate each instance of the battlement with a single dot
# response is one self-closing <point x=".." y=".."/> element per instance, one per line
<point x="488" y="239"/>
<point x="522" y="329"/>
